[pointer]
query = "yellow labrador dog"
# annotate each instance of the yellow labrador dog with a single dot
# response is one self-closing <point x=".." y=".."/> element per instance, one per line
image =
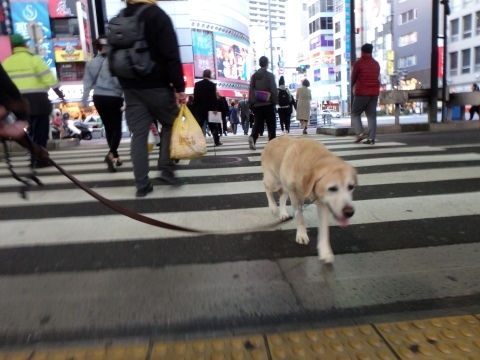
<point x="305" y="169"/>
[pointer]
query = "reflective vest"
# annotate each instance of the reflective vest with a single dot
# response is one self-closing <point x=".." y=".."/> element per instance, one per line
<point x="29" y="72"/>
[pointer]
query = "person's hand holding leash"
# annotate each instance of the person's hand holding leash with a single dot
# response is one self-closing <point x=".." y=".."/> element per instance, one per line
<point x="14" y="130"/>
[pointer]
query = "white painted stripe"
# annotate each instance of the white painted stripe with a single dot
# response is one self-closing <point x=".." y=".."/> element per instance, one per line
<point x="49" y="175"/>
<point x="68" y="196"/>
<point x="116" y="227"/>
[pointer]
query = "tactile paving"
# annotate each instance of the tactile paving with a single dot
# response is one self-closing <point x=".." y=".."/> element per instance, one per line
<point x="132" y="352"/>
<point x="237" y="348"/>
<point x="349" y="343"/>
<point x="441" y="338"/>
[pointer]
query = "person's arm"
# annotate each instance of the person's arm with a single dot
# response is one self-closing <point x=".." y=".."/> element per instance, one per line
<point x="87" y="83"/>
<point x="46" y="76"/>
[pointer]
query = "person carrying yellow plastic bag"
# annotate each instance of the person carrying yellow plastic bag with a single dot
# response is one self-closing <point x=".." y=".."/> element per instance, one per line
<point x="187" y="140"/>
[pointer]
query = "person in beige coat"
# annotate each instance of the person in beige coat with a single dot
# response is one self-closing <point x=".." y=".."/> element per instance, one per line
<point x="304" y="96"/>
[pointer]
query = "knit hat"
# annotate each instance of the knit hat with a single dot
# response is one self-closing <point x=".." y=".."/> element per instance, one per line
<point x="17" y="40"/>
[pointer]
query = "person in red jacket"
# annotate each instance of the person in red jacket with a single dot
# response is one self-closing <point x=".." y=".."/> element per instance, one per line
<point x="366" y="88"/>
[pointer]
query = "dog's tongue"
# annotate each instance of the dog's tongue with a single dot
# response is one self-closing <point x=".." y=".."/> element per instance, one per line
<point x="343" y="221"/>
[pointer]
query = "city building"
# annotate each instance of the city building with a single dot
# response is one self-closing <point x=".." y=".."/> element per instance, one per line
<point x="463" y="45"/>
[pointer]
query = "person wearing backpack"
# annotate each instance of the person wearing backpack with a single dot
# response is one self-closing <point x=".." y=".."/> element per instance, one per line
<point x="284" y="106"/>
<point x="143" y="35"/>
<point x="108" y="100"/>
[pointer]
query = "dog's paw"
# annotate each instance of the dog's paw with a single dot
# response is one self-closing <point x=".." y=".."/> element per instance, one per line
<point x="302" y="239"/>
<point x="327" y="258"/>
<point x="284" y="215"/>
<point x="273" y="209"/>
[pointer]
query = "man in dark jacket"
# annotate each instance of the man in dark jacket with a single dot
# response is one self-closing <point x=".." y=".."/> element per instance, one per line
<point x="366" y="88"/>
<point x="243" y="108"/>
<point x="263" y="98"/>
<point x="155" y="96"/>
<point x="204" y="93"/>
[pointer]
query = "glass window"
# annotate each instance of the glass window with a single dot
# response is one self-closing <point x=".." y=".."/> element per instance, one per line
<point x="338" y="60"/>
<point x="337" y="27"/>
<point x="454" y="26"/>
<point x="454" y="63"/>
<point x="477" y="59"/>
<point x="477" y="22"/>
<point x="467" y="26"/>
<point x="466" y="61"/>
<point x="338" y="44"/>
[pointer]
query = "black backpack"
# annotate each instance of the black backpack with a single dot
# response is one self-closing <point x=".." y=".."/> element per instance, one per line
<point x="128" y="56"/>
<point x="283" y="98"/>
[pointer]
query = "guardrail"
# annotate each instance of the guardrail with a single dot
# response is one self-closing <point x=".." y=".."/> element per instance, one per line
<point x="398" y="97"/>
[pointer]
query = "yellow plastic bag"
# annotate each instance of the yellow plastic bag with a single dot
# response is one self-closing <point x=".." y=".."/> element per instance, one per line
<point x="187" y="140"/>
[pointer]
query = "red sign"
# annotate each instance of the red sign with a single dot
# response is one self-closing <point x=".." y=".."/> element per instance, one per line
<point x="232" y="93"/>
<point x="440" y="58"/>
<point x="188" y="75"/>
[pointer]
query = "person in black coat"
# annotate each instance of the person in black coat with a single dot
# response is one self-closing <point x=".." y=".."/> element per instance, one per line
<point x="224" y="109"/>
<point x="204" y="93"/>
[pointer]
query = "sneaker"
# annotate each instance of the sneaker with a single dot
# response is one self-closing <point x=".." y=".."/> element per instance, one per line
<point x="144" y="191"/>
<point x="360" y="138"/>
<point x="170" y="179"/>
<point x="370" y="142"/>
<point x="251" y="143"/>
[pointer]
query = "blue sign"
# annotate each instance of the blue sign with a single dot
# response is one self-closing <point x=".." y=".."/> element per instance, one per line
<point x="26" y="12"/>
<point x="347" y="30"/>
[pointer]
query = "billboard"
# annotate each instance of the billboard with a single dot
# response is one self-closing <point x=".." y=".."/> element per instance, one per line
<point x="26" y="12"/>
<point x="62" y="8"/>
<point x="226" y="56"/>
<point x="231" y="55"/>
<point x="68" y="51"/>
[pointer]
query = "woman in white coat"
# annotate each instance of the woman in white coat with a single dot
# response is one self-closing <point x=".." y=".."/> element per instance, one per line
<point x="304" y="96"/>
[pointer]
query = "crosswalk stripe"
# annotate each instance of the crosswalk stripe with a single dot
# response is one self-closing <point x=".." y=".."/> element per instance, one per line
<point x="93" y="229"/>
<point x="228" y="188"/>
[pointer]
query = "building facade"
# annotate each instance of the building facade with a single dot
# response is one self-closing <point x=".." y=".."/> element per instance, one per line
<point x="212" y="35"/>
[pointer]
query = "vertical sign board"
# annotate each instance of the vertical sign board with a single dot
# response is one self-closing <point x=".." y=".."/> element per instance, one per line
<point x="347" y="30"/>
<point x="440" y="58"/>
<point x="62" y="8"/>
<point x="84" y="27"/>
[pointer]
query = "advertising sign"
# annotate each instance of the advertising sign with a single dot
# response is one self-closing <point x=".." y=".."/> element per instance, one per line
<point x="231" y="58"/>
<point x="347" y="30"/>
<point x="26" y="12"/>
<point x="68" y="51"/>
<point x="188" y="76"/>
<point x="45" y="51"/>
<point x="203" y="56"/>
<point x="84" y="27"/>
<point x="62" y="8"/>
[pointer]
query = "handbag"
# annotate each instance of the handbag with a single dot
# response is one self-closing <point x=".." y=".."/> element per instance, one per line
<point x="187" y="141"/>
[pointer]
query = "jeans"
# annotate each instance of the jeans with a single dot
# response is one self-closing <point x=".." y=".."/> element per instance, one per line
<point x="144" y="106"/>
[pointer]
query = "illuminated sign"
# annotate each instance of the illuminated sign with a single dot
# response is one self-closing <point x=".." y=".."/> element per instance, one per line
<point x="68" y="51"/>
<point x="30" y="11"/>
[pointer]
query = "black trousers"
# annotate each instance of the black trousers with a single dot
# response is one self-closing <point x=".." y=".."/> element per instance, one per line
<point x="264" y="114"/>
<point x="284" y="115"/>
<point x="39" y="128"/>
<point x="109" y="109"/>
<point x="215" y="128"/>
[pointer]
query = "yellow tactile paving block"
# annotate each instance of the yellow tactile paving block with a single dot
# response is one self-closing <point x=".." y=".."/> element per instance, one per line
<point x="135" y="352"/>
<point x="452" y="338"/>
<point x="237" y="348"/>
<point x="349" y="343"/>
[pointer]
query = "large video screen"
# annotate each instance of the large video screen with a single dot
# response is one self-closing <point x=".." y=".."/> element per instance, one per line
<point x="226" y="56"/>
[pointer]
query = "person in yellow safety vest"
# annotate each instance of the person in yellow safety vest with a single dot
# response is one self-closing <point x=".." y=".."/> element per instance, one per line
<point x="33" y="78"/>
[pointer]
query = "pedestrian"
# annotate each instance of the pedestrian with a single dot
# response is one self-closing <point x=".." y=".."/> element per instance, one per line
<point x="284" y="106"/>
<point x="366" y="88"/>
<point x="233" y="115"/>
<point x="107" y="98"/>
<point x="57" y="123"/>
<point x="155" y="96"/>
<point x="224" y="109"/>
<point x="11" y="100"/>
<point x="205" y="95"/>
<point x="263" y="98"/>
<point x="33" y="78"/>
<point x="304" y="97"/>
<point x="474" y="108"/>
<point x="244" y="110"/>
